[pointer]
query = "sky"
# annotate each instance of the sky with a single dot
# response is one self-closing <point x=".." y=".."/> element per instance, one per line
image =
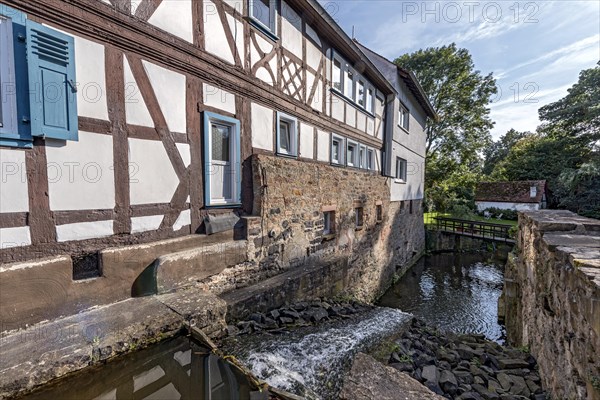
<point x="535" y="49"/>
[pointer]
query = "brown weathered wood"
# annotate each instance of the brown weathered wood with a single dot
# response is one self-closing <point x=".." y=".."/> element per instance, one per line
<point x="194" y="97"/>
<point x="71" y="217"/>
<point x="228" y="33"/>
<point x="94" y="125"/>
<point x="13" y="219"/>
<point x="41" y="223"/>
<point x="115" y="84"/>
<point x="145" y="9"/>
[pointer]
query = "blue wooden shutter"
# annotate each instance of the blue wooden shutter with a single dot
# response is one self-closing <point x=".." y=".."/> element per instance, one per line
<point x="52" y="97"/>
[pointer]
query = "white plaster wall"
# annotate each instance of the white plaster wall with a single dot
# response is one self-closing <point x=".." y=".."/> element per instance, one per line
<point x="350" y="115"/>
<point x="414" y="186"/>
<point x="136" y="111"/>
<point x="215" y="41"/>
<point x="262" y="127"/>
<point x="307" y="141"/>
<point x="144" y="224"/>
<point x="377" y="160"/>
<point x="236" y="4"/>
<point x="13" y="181"/>
<point x="14" y="237"/>
<point x="152" y="178"/>
<point x="169" y="87"/>
<point x="264" y="75"/>
<point x="291" y="30"/>
<point x="323" y="146"/>
<point x="219" y="98"/>
<point x="370" y="126"/>
<point x="184" y="219"/>
<point x="184" y="152"/>
<point x="337" y="107"/>
<point x="361" y="121"/>
<point x="237" y="31"/>
<point x="84" y="230"/>
<point x="482" y="205"/>
<point x="313" y="55"/>
<point x="91" y="79"/>
<point x="175" y="17"/>
<point x="81" y="174"/>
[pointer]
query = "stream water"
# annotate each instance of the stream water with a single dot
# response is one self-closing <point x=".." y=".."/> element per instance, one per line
<point x="456" y="292"/>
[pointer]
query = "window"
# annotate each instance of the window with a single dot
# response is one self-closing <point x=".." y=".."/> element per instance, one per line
<point x="410" y="207"/>
<point x="287" y="135"/>
<point x="37" y="81"/>
<point x="370" y="159"/>
<point x="263" y="15"/>
<point x="363" y="157"/>
<point x="359" y="217"/>
<point x="400" y="169"/>
<point x="328" y="222"/>
<point x="222" y="156"/>
<point x="379" y="212"/>
<point x="352" y="154"/>
<point x="337" y="75"/>
<point x="403" y="117"/>
<point x="532" y="191"/>
<point x="360" y="93"/>
<point x="337" y="150"/>
<point x="351" y="84"/>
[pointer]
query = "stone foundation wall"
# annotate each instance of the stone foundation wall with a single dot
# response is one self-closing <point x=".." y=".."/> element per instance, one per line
<point x="286" y="232"/>
<point x="552" y="300"/>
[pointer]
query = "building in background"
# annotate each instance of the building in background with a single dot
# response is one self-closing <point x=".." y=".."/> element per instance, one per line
<point x="515" y="195"/>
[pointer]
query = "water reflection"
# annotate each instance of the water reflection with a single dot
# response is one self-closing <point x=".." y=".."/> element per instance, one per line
<point x="456" y="292"/>
<point x="178" y="369"/>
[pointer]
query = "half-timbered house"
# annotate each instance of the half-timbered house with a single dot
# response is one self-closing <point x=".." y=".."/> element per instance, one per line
<point x="243" y="137"/>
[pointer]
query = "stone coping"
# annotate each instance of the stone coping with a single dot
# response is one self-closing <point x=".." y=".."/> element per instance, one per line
<point x="43" y="352"/>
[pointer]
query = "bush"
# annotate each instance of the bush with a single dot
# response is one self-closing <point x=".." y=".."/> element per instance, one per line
<point x="462" y="211"/>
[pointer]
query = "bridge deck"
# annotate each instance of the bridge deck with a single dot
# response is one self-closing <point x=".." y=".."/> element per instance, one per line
<point x="474" y="229"/>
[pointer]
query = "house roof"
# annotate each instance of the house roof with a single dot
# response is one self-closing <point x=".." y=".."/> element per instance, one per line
<point x="407" y="76"/>
<point x="324" y="23"/>
<point x="510" y="192"/>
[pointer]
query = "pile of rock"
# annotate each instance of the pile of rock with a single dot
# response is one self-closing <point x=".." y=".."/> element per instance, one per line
<point x="466" y="367"/>
<point x="299" y="314"/>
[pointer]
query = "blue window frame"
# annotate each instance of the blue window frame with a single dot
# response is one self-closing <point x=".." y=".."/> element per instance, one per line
<point x="263" y="15"/>
<point x="222" y="161"/>
<point x="37" y="74"/>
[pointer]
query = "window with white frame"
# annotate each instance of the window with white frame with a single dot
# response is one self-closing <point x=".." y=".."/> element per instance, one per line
<point x="403" y="117"/>
<point x="8" y="99"/>
<point x="363" y="157"/>
<point x="401" y="169"/>
<point x="351" y="84"/>
<point x="287" y="135"/>
<point x="222" y="172"/>
<point x="338" y="148"/>
<point x="370" y="159"/>
<point x="263" y="13"/>
<point x="352" y="154"/>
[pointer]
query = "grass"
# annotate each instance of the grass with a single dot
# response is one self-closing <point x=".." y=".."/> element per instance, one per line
<point x="429" y="219"/>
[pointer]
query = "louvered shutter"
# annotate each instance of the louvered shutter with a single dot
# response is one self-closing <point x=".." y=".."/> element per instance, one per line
<point x="52" y="87"/>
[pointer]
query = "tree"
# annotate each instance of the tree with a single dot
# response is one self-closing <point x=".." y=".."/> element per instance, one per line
<point x="498" y="150"/>
<point x="461" y="96"/>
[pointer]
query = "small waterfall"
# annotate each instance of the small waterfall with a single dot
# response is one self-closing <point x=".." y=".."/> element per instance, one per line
<point x="311" y="361"/>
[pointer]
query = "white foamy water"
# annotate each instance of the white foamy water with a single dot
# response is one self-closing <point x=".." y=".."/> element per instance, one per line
<point x="312" y="364"/>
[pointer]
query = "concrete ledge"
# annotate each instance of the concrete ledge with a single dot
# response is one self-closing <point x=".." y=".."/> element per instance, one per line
<point x="181" y="268"/>
<point x="46" y="351"/>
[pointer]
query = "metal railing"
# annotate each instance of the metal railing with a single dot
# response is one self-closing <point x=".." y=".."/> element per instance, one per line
<point x="476" y="229"/>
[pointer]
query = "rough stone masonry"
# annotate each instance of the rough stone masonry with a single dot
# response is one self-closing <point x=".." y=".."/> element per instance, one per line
<point x="552" y="300"/>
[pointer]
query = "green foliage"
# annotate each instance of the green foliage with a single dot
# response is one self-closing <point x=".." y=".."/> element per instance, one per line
<point x="579" y="189"/>
<point x="499" y="150"/>
<point x="461" y="96"/>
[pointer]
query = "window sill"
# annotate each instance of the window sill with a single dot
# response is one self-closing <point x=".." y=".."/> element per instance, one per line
<point x="286" y="155"/>
<point x="351" y="102"/>
<point x="16" y="143"/>
<point x="404" y="129"/>
<point x="328" y="237"/>
<point x="261" y="27"/>
<point x="396" y="180"/>
<point x="223" y="205"/>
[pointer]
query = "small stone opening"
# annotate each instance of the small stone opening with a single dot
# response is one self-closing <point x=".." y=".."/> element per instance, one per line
<point x="86" y="266"/>
<point x="359" y="217"/>
<point x="379" y="212"/>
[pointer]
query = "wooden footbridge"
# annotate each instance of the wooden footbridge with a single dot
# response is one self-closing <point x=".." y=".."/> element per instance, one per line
<point x="475" y="229"/>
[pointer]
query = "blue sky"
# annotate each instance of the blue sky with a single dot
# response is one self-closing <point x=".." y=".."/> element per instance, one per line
<point x="535" y="49"/>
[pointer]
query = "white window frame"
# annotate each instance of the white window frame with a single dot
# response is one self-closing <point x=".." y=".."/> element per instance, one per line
<point x="293" y="124"/>
<point x="341" y="141"/>
<point x="271" y="31"/>
<point x="371" y="162"/>
<point x="355" y="162"/>
<point x="340" y="74"/>
<point x="404" y="117"/>
<point x="350" y="89"/>
<point x="362" y="155"/>
<point x="369" y="103"/>
<point x="401" y="173"/>
<point x="361" y="99"/>
<point x="234" y="159"/>
<point x="8" y="106"/>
